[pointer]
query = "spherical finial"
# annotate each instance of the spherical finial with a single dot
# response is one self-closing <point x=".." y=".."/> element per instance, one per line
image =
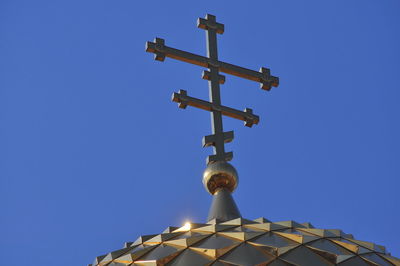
<point x="220" y="175"/>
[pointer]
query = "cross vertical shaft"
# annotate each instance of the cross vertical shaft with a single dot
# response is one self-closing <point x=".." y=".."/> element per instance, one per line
<point x="214" y="91"/>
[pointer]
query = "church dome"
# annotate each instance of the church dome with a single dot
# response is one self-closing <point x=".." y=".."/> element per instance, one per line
<point x="228" y="239"/>
<point x="249" y="242"/>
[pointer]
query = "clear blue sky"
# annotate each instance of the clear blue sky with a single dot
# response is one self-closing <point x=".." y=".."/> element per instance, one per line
<point x="93" y="153"/>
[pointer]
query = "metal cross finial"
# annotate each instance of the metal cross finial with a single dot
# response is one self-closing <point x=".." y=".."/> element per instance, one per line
<point x="218" y="137"/>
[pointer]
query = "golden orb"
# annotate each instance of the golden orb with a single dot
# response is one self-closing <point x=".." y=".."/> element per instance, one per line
<point x="220" y="175"/>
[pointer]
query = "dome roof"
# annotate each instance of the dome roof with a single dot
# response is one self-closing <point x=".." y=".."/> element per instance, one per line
<point x="228" y="239"/>
<point x="245" y="242"/>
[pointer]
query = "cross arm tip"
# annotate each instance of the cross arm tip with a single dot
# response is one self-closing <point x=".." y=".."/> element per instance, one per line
<point x="156" y="47"/>
<point x="250" y="119"/>
<point x="210" y="23"/>
<point x="267" y="81"/>
<point x="274" y="81"/>
<point x="180" y="98"/>
<point x="150" y="47"/>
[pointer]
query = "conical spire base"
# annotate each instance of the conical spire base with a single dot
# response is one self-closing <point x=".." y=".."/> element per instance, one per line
<point x="223" y="207"/>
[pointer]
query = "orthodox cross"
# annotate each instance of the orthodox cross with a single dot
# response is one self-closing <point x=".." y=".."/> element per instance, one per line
<point x="218" y="137"/>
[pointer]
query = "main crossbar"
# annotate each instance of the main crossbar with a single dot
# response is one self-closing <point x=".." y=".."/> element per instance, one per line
<point x="161" y="51"/>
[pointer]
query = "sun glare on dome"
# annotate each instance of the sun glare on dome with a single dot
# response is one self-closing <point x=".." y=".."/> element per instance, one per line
<point x="186" y="227"/>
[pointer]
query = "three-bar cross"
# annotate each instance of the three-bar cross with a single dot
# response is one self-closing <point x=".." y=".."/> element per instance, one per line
<point x="218" y="137"/>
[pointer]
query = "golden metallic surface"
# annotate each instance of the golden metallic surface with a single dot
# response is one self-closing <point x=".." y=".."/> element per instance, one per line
<point x="220" y="175"/>
<point x="245" y="242"/>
